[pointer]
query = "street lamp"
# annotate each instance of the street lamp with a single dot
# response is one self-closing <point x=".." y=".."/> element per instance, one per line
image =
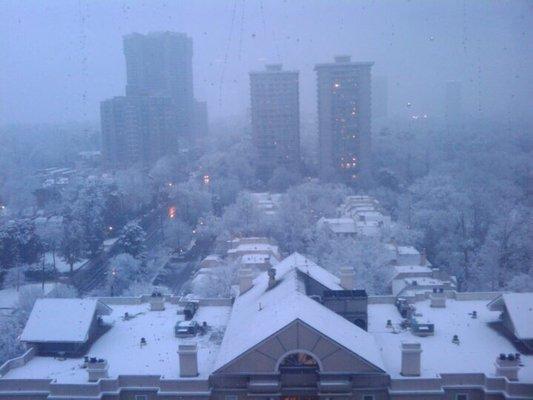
<point x="114" y="276"/>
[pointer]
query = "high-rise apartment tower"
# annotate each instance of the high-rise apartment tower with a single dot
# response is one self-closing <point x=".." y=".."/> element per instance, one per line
<point x="275" y="119"/>
<point x="344" y="116"/>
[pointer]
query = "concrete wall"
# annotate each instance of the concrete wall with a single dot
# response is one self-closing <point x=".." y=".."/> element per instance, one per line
<point x="18" y="361"/>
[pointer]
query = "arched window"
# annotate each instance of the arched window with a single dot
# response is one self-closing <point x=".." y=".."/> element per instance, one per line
<point x="299" y="360"/>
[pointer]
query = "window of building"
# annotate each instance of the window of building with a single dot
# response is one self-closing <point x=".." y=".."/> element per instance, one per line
<point x="461" y="396"/>
<point x="141" y="397"/>
<point x="368" y="397"/>
<point x="299" y="360"/>
<point x="231" y="397"/>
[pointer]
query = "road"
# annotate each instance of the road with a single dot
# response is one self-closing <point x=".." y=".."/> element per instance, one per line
<point x="93" y="273"/>
<point x="175" y="274"/>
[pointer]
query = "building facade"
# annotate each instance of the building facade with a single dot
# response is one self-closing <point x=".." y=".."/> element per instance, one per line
<point x="344" y="118"/>
<point x="137" y="130"/>
<point x="296" y="332"/>
<point x="156" y="116"/>
<point x="275" y="119"/>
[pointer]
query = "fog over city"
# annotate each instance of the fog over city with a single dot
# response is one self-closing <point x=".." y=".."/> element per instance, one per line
<point x="245" y="199"/>
<point x="62" y="58"/>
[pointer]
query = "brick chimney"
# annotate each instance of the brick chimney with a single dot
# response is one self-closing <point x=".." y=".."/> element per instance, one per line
<point x="423" y="257"/>
<point x="438" y="298"/>
<point x="96" y="369"/>
<point x="347" y="276"/>
<point x="508" y="366"/>
<point x="246" y="278"/>
<point x="157" y="302"/>
<point x="411" y="359"/>
<point x="188" y="355"/>
<point x="271" y="278"/>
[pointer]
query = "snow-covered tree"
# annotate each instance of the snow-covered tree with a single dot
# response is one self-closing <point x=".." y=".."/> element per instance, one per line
<point x="124" y="270"/>
<point x="132" y="239"/>
<point x="366" y="255"/>
<point x="71" y="247"/>
<point x="177" y="234"/>
<point x="19" y="243"/>
<point x="218" y="282"/>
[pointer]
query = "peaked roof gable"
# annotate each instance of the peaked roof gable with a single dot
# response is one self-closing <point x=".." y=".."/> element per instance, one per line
<point x="261" y="312"/>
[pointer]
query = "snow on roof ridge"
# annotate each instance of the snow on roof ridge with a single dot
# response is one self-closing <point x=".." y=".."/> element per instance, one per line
<point x="520" y="309"/>
<point x="270" y="310"/>
<point x="71" y="319"/>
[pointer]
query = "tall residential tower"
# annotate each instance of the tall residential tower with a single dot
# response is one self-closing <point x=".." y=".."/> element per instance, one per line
<point x="275" y="119"/>
<point x="157" y="114"/>
<point x="344" y="114"/>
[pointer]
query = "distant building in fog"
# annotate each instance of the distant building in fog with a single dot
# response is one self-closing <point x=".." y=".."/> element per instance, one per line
<point x="453" y="102"/>
<point x="201" y="119"/>
<point x="275" y="119"/>
<point x="137" y="129"/>
<point x="380" y="96"/>
<point x="157" y="114"/>
<point x="344" y="113"/>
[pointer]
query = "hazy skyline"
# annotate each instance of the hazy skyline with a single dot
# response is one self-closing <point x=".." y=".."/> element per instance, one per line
<point x="61" y="58"/>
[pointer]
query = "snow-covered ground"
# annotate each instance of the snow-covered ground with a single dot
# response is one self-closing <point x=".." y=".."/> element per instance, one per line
<point x="61" y="264"/>
<point x="9" y="297"/>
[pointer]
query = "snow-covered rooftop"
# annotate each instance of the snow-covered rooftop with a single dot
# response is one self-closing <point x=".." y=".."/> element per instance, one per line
<point x="269" y="310"/>
<point x="340" y="225"/>
<point x="256" y="258"/>
<point x="520" y="309"/>
<point x="61" y="320"/>
<point x="407" y="250"/>
<point x="406" y="269"/>
<point x="479" y="343"/>
<point x="120" y="346"/>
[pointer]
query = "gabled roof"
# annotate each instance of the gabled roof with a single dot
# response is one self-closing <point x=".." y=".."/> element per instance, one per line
<point x="261" y="312"/>
<point x="520" y="309"/>
<point x="62" y="320"/>
<point x="308" y="267"/>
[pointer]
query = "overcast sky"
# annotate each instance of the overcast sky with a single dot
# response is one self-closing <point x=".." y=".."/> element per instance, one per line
<point x="59" y="59"/>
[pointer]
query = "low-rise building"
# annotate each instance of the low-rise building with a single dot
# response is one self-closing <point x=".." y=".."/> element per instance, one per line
<point x="516" y="317"/>
<point x="240" y="247"/>
<point x="294" y="332"/>
<point x="64" y="327"/>
<point x="359" y="216"/>
<point x="267" y="202"/>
